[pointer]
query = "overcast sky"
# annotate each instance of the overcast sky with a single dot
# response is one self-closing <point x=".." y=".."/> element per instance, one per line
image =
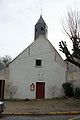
<point x="18" y="17"/>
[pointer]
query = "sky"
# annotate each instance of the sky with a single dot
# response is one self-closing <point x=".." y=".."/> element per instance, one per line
<point x="18" y="18"/>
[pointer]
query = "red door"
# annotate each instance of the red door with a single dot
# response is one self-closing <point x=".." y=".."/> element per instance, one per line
<point x="40" y="90"/>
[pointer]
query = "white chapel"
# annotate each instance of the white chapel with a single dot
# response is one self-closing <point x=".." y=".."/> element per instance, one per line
<point x="38" y="72"/>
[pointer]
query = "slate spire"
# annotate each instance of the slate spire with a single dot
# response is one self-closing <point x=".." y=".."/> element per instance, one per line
<point x="40" y="28"/>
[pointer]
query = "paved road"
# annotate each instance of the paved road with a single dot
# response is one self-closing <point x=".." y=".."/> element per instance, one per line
<point x="61" y="117"/>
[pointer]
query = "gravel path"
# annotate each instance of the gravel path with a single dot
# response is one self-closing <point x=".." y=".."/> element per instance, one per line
<point x="42" y="106"/>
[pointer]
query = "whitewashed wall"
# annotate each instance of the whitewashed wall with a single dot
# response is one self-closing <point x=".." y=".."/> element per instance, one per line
<point x="23" y="71"/>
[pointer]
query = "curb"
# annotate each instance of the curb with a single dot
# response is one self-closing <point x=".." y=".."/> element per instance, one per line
<point x="64" y="113"/>
<point x="17" y="113"/>
<point x="49" y="113"/>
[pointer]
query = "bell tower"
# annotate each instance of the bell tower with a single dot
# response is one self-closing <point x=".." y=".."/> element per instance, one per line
<point x="40" y="28"/>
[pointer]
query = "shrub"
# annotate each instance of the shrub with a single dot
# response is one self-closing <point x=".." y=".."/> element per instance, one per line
<point x="68" y="89"/>
<point x="77" y="92"/>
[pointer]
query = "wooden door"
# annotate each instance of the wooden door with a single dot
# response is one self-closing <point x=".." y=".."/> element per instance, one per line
<point x="40" y="90"/>
<point x="2" y="84"/>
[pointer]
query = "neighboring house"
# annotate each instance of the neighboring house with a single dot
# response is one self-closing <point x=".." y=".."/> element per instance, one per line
<point x="4" y="80"/>
<point x="39" y="71"/>
<point x="73" y="74"/>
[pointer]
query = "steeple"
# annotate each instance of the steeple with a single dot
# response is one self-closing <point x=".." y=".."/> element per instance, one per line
<point x="40" y="28"/>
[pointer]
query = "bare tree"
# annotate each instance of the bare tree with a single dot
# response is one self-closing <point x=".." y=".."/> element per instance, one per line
<point x="11" y="89"/>
<point x="4" y="61"/>
<point x="71" y="27"/>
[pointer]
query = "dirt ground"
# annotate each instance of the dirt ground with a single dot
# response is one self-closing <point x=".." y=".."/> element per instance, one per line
<point x="42" y="106"/>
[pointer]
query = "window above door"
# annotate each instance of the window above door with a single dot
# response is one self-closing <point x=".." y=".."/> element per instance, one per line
<point x="38" y="63"/>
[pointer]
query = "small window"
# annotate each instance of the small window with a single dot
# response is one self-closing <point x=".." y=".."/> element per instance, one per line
<point x="38" y="63"/>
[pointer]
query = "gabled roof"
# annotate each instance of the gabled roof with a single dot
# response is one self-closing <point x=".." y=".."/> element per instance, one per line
<point x="53" y="48"/>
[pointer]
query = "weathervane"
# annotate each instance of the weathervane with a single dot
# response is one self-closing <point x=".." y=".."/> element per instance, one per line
<point x="41" y="11"/>
<point x="41" y="6"/>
